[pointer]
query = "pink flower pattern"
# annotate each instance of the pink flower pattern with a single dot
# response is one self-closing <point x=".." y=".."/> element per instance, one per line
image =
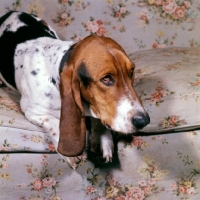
<point x="119" y="11"/>
<point x="48" y="182"/>
<point x="157" y="96"/>
<point x="43" y="179"/>
<point x="170" y="9"/>
<point x="135" y="193"/>
<point x="169" y="6"/>
<point x="172" y="121"/>
<point x="10" y="104"/>
<point x="138" y="19"/>
<point x="37" y="185"/>
<point x="95" y="27"/>
<point x="119" y="191"/>
<point x="185" y="186"/>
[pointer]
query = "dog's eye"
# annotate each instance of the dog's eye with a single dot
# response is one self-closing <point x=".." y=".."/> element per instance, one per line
<point x="107" y="80"/>
<point x="132" y="72"/>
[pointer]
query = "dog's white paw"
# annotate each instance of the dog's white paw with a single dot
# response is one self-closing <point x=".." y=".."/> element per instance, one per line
<point x="107" y="147"/>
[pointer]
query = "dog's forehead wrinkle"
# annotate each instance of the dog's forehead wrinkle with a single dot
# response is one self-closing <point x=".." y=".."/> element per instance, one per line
<point x="127" y="90"/>
<point x="119" y="67"/>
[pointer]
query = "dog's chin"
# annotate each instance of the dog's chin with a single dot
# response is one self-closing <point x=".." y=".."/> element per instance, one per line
<point x="128" y="131"/>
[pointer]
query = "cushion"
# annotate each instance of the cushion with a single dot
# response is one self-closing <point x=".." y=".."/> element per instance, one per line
<point x="16" y="132"/>
<point x="168" y="82"/>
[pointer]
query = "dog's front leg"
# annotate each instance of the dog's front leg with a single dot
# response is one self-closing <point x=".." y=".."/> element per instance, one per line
<point x="51" y="125"/>
<point x="101" y="139"/>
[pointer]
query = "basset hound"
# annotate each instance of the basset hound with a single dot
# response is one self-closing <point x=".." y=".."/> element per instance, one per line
<point x="61" y="82"/>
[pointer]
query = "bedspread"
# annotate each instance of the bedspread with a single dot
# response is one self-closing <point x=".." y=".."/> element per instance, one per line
<point x="161" y="162"/>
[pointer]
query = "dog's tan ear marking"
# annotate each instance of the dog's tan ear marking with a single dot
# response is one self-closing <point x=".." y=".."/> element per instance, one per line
<point x="84" y="75"/>
<point x="44" y="23"/>
<point x="72" y="119"/>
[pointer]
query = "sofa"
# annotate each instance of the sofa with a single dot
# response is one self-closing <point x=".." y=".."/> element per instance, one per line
<point x="162" y="161"/>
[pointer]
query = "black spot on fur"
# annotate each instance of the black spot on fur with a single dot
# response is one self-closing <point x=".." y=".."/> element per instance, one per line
<point x="21" y="66"/>
<point x="20" y="52"/>
<point x="84" y="75"/>
<point x="55" y="61"/>
<point x="34" y="73"/>
<point x="8" y="26"/>
<point x="52" y="80"/>
<point x="48" y="95"/>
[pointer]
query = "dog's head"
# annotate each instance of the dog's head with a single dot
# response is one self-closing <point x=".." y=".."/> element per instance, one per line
<point x="100" y="74"/>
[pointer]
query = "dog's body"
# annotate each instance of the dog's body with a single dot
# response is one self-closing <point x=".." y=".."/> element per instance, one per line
<point x="61" y="83"/>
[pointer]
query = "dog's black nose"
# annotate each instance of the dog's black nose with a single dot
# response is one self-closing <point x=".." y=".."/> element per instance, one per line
<point x="141" y="120"/>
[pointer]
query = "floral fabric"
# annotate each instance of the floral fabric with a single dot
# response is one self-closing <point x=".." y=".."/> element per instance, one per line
<point x="155" y="166"/>
<point x="167" y="81"/>
<point x="135" y="24"/>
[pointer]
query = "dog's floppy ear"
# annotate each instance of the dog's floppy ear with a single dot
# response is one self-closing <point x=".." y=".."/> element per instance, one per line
<point x="72" y="119"/>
